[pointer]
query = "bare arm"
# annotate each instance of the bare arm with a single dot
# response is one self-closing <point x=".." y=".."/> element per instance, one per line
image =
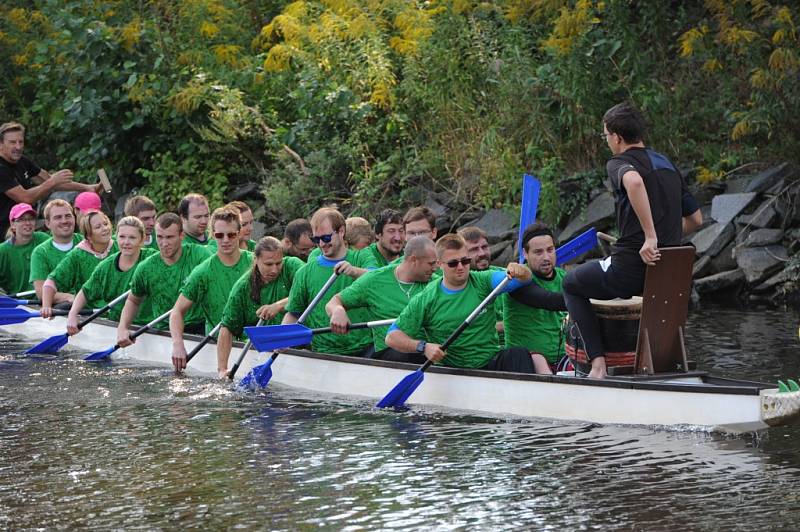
<point x="267" y="312"/>
<point x="176" y="324"/>
<point x="72" y="318"/>
<point x="338" y="314"/>
<point x="129" y="312"/>
<point x="289" y="318"/>
<point x="690" y="223"/>
<point x="400" y="341"/>
<point x="637" y="193"/>
<point x="224" y="346"/>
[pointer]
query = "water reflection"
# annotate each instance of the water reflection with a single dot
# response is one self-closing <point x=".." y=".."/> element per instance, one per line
<point x="124" y="446"/>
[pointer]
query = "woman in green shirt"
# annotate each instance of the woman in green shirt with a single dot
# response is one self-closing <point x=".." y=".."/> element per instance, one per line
<point x="113" y="275"/>
<point x="78" y="265"/>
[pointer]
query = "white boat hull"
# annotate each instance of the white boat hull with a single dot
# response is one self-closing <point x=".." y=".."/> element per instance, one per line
<point x="728" y="406"/>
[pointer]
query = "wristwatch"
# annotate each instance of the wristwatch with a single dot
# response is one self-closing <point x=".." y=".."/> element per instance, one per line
<point x="421" y="346"/>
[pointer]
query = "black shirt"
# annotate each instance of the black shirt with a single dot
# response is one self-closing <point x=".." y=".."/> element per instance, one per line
<point x="665" y="190"/>
<point x="12" y="175"/>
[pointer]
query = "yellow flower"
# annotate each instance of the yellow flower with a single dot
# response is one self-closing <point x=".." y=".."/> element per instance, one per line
<point x="208" y="29"/>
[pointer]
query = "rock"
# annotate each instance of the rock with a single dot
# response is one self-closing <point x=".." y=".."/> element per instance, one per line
<point x="764" y="216"/>
<point x="777" y="279"/>
<point x="600" y="208"/>
<point x="725" y="207"/>
<point x="737" y="185"/>
<point x="258" y="231"/>
<point x="718" y="281"/>
<point x="713" y="238"/>
<point x="498" y="225"/>
<point x="507" y="255"/>
<point x="702" y="267"/>
<point x="724" y="260"/>
<point x="766" y="179"/>
<point x="437" y="208"/>
<point x="497" y="249"/>
<point x="758" y="263"/>
<point x="762" y="237"/>
<point x="248" y="190"/>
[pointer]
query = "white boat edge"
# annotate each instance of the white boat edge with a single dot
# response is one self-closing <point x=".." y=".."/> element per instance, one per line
<point x="712" y="404"/>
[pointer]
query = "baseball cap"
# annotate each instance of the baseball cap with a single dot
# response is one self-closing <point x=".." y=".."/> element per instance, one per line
<point x="18" y="210"/>
<point x="87" y="201"/>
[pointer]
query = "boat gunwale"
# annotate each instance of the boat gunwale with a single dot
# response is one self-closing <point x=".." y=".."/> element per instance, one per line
<point x="711" y="384"/>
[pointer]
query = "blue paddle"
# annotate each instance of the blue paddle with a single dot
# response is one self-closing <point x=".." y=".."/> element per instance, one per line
<point x="271" y="337"/>
<point x="51" y="345"/>
<point x="242" y="353"/>
<point x="102" y="355"/>
<point x="527" y="215"/>
<point x="577" y="246"/>
<point x="263" y="373"/>
<point x="403" y="390"/>
<point x="9" y="316"/>
<point x="6" y="301"/>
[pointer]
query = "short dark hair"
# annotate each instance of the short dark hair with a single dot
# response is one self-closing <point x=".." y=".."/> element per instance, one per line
<point x="472" y="233"/>
<point x="625" y="120"/>
<point x="136" y="204"/>
<point x="420" y="213"/>
<point x="296" y="229"/>
<point x="226" y="214"/>
<point x="534" y="230"/>
<point x="168" y="219"/>
<point x="188" y="199"/>
<point x="387" y="216"/>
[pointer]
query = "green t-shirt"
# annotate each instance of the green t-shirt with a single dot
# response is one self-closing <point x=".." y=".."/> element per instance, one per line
<point x="108" y="281"/>
<point x="380" y="260"/>
<point x="161" y="282"/>
<point x="189" y="239"/>
<point x="251" y="245"/>
<point x="76" y="268"/>
<point x="15" y="264"/>
<point x="240" y="309"/>
<point x="382" y="295"/>
<point x="436" y="312"/>
<point x="46" y="257"/>
<point x="210" y="284"/>
<point x="536" y="329"/>
<point x="307" y="284"/>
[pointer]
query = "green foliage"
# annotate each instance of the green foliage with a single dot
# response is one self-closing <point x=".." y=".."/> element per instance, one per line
<point x="170" y="176"/>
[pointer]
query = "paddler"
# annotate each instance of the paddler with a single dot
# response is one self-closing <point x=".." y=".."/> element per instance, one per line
<point x="113" y="275"/>
<point x="480" y="256"/>
<point x="297" y="239"/>
<point x="160" y="277"/>
<point x="16" y="252"/>
<point x="143" y="208"/>
<point x="210" y="284"/>
<point x="246" y="231"/>
<point x="193" y="210"/>
<point x="358" y="233"/>
<point x="648" y="189"/>
<point x="443" y="306"/>
<point x="385" y="292"/>
<point x="76" y="268"/>
<point x="390" y="237"/>
<point x="262" y="294"/>
<point x="328" y="228"/>
<point x="59" y="218"/>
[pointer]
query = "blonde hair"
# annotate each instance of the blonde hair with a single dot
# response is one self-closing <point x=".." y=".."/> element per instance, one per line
<point x="327" y="213"/>
<point x="56" y="203"/>
<point x="357" y="228"/>
<point x="132" y="221"/>
<point x="86" y="222"/>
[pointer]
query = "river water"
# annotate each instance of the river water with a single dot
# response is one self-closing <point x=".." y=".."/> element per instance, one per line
<point x="130" y="447"/>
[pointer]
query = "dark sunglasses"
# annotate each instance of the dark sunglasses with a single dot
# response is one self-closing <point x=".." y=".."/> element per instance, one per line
<point x="465" y="261"/>
<point x="325" y="238"/>
<point x="230" y="236"/>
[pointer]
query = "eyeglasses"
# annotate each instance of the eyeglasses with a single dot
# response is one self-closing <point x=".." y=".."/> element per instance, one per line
<point x="465" y="261"/>
<point x="231" y="236"/>
<point x="325" y="238"/>
<point x="412" y="234"/>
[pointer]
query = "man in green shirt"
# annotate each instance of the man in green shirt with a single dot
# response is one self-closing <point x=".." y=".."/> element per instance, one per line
<point x="262" y="294"/>
<point x="533" y="314"/>
<point x="420" y="221"/>
<point x="193" y="210"/>
<point x="160" y="277"/>
<point x="297" y="239"/>
<point x="15" y="253"/>
<point x="210" y="284"/>
<point x="433" y="315"/>
<point x="60" y="220"/>
<point x="390" y="237"/>
<point x="143" y="208"/>
<point x="246" y="216"/>
<point x="328" y="228"/>
<point x="385" y="292"/>
<point x="480" y="256"/>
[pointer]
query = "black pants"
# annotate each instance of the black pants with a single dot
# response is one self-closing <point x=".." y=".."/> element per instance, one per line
<point x="515" y="359"/>
<point x="590" y="281"/>
<point x="393" y="355"/>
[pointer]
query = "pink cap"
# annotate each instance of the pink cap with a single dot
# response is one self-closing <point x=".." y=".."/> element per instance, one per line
<point x="87" y="201"/>
<point x="18" y="210"/>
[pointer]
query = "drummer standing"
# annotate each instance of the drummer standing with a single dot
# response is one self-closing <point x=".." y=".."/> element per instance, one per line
<point x="648" y="190"/>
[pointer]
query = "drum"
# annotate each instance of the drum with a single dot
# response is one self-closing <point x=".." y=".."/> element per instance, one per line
<point x="619" y="326"/>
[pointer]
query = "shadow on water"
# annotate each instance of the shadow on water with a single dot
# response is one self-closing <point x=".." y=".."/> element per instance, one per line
<point x="124" y="446"/>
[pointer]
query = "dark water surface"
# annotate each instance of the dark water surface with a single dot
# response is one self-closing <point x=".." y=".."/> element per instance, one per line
<point x="130" y="447"/>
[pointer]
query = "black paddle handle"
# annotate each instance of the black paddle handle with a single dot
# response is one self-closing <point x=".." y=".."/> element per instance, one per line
<point x="235" y="368"/>
<point x="203" y="342"/>
<point x="474" y="314"/>
<point x="102" y="310"/>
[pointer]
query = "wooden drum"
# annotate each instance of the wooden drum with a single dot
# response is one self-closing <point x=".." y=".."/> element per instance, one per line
<point x="619" y="326"/>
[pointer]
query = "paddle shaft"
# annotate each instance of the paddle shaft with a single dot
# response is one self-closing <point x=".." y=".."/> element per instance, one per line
<point x="474" y="314"/>
<point x="354" y="326"/>
<point x="23" y="294"/>
<point x="144" y="328"/>
<point x="203" y="342"/>
<point x="248" y="343"/>
<point x="99" y="312"/>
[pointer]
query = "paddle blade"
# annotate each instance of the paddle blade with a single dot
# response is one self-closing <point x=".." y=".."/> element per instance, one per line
<point x="531" y="187"/>
<point x="49" y="346"/>
<point x="100" y="355"/>
<point x="10" y="316"/>
<point x="577" y="246"/>
<point x="271" y="337"/>
<point x="402" y="391"/>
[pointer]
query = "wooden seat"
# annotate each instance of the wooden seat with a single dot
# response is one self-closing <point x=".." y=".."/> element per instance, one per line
<point x="660" y="345"/>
